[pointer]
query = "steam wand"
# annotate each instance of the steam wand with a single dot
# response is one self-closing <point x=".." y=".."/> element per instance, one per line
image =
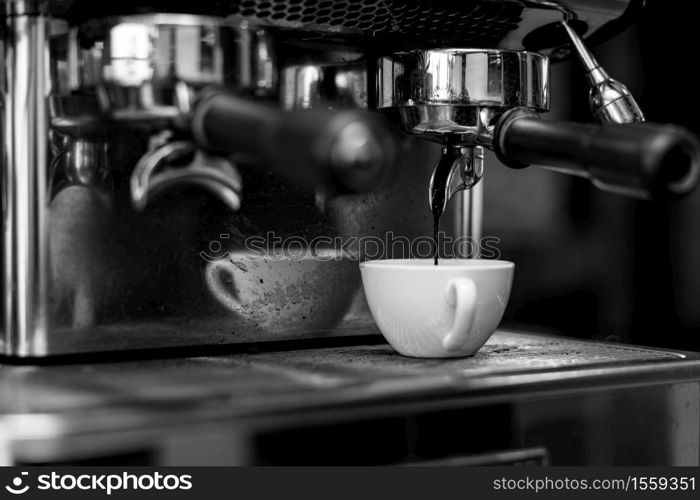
<point x="609" y="99"/>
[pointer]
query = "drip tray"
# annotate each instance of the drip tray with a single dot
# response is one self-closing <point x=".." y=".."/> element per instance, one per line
<point x="292" y="382"/>
<point x="504" y="353"/>
<point x="218" y="404"/>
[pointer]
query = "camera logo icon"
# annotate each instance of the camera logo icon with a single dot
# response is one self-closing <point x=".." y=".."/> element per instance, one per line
<point x="16" y="488"/>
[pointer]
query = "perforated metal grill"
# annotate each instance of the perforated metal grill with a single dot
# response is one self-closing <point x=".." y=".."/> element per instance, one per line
<point x="475" y="23"/>
<point x="482" y="23"/>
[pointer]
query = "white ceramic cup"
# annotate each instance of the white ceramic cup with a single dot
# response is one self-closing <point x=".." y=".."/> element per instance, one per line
<point x="443" y="311"/>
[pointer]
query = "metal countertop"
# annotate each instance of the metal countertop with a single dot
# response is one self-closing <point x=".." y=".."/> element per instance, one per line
<point x="40" y="402"/>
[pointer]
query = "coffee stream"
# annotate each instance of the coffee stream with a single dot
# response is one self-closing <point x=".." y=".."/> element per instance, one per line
<point x="438" y="207"/>
<point x="438" y="191"/>
<point x="439" y="188"/>
<point x="436" y="228"/>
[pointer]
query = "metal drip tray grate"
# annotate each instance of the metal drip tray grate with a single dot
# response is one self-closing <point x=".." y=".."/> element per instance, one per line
<point x="504" y="353"/>
<point x="294" y="383"/>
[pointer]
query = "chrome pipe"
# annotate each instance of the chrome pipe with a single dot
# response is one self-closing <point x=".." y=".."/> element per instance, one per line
<point x="81" y="163"/>
<point x="24" y="185"/>
<point x="152" y="175"/>
<point x="470" y="213"/>
<point x="610" y="101"/>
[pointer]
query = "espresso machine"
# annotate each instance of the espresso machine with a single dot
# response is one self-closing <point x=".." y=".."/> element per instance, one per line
<point x="145" y="143"/>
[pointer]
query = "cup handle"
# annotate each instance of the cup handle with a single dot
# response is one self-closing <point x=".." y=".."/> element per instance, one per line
<point x="223" y="292"/>
<point x="461" y="293"/>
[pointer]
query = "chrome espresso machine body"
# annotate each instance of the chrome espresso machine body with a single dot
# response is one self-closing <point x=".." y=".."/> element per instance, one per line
<point x="145" y="144"/>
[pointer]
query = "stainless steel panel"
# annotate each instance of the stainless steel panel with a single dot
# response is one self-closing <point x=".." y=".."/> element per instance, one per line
<point x="25" y="259"/>
<point x="608" y="398"/>
<point x="399" y="24"/>
<point x="86" y="272"/>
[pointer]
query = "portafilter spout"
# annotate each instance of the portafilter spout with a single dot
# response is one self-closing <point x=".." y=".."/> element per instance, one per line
<point x="459" y="168"/>
<point x="454" y="97"/>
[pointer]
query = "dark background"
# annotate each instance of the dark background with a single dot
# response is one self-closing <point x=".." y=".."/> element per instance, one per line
<point x="593" y="264"/>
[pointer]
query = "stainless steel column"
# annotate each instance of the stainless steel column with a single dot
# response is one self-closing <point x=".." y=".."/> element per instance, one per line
<point x="470" y="218"/>
<point x="25" y="263"/>
<point x="470" y="212"/>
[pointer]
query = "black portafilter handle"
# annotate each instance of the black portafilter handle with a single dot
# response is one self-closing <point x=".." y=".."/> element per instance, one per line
<point x="349" y="150"/>
<point x="644" y="160"/>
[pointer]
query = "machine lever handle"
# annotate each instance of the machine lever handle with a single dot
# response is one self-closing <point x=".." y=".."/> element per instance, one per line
<point x="351" y="150"/>
<point x="644" y="160"/>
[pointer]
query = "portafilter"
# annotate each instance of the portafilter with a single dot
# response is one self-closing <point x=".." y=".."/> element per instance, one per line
<point x="466" y="99"/>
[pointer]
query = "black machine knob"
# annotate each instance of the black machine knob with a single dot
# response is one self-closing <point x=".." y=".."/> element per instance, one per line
<point x="644" y="160"/>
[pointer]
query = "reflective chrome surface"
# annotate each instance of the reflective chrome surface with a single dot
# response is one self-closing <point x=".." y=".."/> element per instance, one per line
<point x="25" y="259"/>
<point x="112" y="251"/>
<point x="403" y="25"/>
<point x="459" y="168"/>
<point x="452" y="94"/>
<point x="80" y="162"/>
<point x="79" y="116"/>
<point x="116" y="278"/>
<point x="324" y="85"/>
<point x="609" y="99"/>
<point x="154" y="174"/>
<point x="470" y="216"/>
<point x="149" y="67"/>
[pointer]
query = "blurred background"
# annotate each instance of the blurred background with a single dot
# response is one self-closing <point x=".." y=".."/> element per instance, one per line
<point x="593" y="264"/>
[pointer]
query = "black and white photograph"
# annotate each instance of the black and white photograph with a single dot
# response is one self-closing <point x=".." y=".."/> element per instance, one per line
<point x="368" y="238"/>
